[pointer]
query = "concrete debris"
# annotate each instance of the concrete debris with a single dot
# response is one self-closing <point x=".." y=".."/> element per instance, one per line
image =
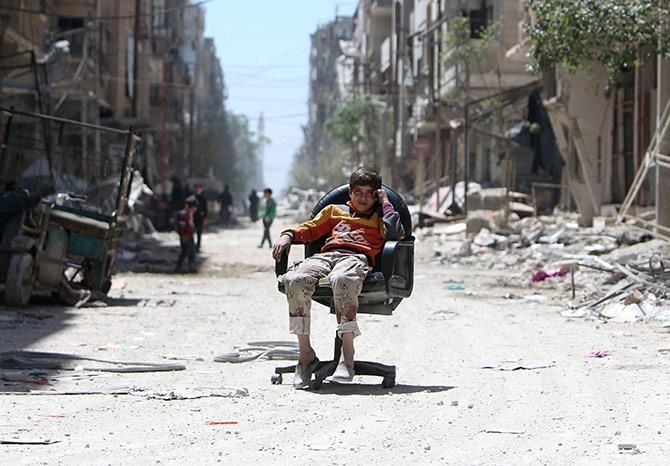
<point x="624" y="262"/>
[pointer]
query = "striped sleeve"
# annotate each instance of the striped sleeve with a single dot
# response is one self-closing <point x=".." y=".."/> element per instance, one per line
<point x="392" y="228"/>
<point x="315" y="228"/>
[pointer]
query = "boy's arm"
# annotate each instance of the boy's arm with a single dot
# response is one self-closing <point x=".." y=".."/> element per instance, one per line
<point x="303" y="233"/>
<point x="312" y="229"/>
<point x="392" y="228"/>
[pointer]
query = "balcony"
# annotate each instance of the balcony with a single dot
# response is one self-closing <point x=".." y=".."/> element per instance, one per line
<point x="381" y="8"/>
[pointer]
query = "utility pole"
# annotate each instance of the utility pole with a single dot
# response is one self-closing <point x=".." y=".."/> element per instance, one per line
<point x="399" y="22"/>
<point x="136" y="55"/>
<point x="97" y="87"/>
<point x="191" y="119"/>
<point x="466" y="139"/>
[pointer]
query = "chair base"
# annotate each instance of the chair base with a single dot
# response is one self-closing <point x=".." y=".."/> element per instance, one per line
<point x="327" y="368"/>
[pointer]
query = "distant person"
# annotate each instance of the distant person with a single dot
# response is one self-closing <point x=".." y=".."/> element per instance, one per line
<point x="186" y="229"/>
<point x="268" y="214"/>
<point x="253" y="206"/>
<point x="200" y="216"/>
<point x="226" y="200"/>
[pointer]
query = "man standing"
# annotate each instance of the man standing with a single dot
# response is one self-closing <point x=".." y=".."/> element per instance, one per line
<point x="253" y="206"/>
<point x="200" y="216"/>
<point x="226" y="200"/>
<point x="268" y="214"/>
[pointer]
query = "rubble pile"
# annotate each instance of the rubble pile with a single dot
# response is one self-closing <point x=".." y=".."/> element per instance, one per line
<point x="608" y="271"/>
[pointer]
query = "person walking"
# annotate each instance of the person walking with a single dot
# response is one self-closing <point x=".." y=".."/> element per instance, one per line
<point x="200" y="216"/>
<point x="253" y="206"/>
<point x="186" y="229"/>
<point x="268" y="214"/>
<point x="226" y="200"/>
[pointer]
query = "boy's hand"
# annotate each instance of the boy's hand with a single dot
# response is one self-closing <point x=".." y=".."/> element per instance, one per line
<point x="382" y="197"/>
<point x="282" y="246"/>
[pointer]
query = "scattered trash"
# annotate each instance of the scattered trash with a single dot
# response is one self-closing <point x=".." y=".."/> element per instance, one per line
<point x="513" y="432"/>
<point x="598" y="354"/>
<point x="629" y="447"/>
<point x="9" y="441"/>
<point x="221" y="423"/>
<point x="454" y="286"/>
<point x="454" y="403"/>
<point x="63" y="361"/>
<point x="182" y="393"/>
<point x="262" y="349"/>
<point x="541" y="275"/>
<point x="513" y="366"/>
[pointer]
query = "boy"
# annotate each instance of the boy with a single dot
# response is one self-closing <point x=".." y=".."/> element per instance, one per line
<point x="268" y="215"/>
<point x="186" y="230"/>
<point x="356" y="234"/>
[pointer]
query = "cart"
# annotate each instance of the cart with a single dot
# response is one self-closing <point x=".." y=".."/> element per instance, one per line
<point x="62" y="200"/>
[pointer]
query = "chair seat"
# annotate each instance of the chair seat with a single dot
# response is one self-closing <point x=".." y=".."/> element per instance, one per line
<point x="374" y="283"/>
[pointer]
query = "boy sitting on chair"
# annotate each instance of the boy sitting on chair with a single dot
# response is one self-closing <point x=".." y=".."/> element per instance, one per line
<point x="356" y="234"/>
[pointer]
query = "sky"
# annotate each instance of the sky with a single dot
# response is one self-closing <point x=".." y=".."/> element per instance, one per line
<point x="264" y="49"/>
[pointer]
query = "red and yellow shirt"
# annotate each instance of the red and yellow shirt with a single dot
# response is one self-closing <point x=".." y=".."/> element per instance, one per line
<point x="350" y="230"/>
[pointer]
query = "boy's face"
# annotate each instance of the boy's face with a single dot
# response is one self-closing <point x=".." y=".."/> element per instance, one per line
<point x="198" y="189"/>
<point x="267" y="195"/>
<point x="192" y="208"/>
<point x="363" y="197"/>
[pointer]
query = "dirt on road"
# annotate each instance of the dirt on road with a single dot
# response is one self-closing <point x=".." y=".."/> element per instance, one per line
<point x="445" y="408"/>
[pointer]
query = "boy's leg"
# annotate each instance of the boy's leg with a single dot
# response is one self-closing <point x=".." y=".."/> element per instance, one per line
<point x="182" y="255"/>
<point x="267" y="232"/>
<point x="198" y="228"/>
<point x="347" y="281"/>
<point x="300" y="284"/>
<point x="191" y="254"/>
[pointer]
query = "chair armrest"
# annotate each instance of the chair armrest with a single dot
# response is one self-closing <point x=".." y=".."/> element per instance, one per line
<point x="397" y="266"/>
<point x="388" y="258"/>
<point x="281" y="266"/>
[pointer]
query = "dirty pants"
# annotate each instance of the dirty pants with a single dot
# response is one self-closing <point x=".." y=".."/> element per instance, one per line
<point x="346" y="272"/>
<point x="199" y="227"/>
<point x="267" y="223"/>
<point x="187" y="252"/>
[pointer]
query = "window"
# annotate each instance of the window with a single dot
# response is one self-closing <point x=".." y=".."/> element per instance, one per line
<point x="479" y="19"/>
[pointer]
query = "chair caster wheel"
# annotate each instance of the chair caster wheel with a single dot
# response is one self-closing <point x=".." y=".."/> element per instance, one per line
<point x="388" y="382"/>
<point x="316" y="383"/>
<point x="276" y="379"/>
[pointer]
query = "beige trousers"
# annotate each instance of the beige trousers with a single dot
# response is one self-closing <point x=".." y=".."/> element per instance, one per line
<point x="346" y="273"/>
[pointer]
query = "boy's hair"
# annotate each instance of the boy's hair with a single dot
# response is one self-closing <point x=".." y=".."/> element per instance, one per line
<point x="191" y="201"/>
<point x="267" y="190"/>
<point x="364" y="176"/>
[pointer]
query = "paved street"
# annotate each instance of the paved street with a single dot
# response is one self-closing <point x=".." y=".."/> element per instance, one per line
<point x="443" y="409"/>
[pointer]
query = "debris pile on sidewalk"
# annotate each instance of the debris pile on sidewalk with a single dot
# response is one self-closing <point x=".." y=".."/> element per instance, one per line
<point x="614" y="271"/>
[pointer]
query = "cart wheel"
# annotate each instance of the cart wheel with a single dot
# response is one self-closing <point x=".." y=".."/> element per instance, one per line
<point x="388" y="382"/>
<point x="19" y="284"/>
<point x="276" y="379"/>
<point x="106" y="286"/>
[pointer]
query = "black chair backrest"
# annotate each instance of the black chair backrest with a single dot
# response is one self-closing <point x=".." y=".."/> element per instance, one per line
<point x="340" y="195"/>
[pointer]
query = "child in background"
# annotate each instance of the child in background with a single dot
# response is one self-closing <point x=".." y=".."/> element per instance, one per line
<point x="186" y="231"/>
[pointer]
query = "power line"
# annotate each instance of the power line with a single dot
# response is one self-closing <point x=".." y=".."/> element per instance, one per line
<point x="56" y="15"/>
